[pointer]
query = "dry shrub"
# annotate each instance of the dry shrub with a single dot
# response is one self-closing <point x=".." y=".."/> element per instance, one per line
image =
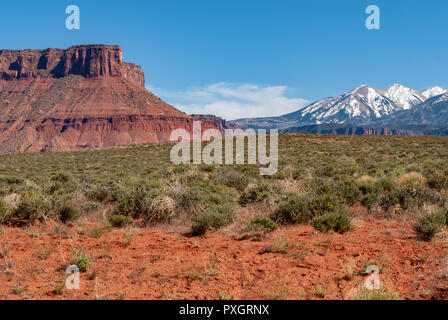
<point x="379" y="294"/>
<point x="174" y="185"/>
<point x="30" y="184"/>
<point x="162" y="209"/>
<point x="431" y="222"/>
<point x="367" y="179"/>
<point x="290" y="185"/>
<point x="12" y="200"/>
<point x="243" y="216"/>
<point x="395" y="211"/>
<point x="79" y="197"/>
<point x="411" y="178"/>
<point x="232" y="178"/>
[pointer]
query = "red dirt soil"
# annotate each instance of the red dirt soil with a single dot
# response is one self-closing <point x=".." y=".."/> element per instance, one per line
<point x="161" y="265"/>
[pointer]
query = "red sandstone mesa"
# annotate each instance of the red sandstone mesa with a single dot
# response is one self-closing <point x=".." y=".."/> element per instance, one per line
<point x="82" y="97"/>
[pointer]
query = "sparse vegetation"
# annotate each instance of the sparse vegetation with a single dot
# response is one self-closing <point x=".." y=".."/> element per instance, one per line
<point x="319" y="291"/>
<point x="162" y="209"/>
<point x="232" y="179"/>
<point x="5" y="212"/>
<point x="322" y="181"/>
<point x="67" y="211"/>
<point x="255" y="194"/>
<point x="91" y="206"/>
<point x="59" y="287"/>
<point x="18" y="289"/>
<point x="32" y="206"/>
<point x="264" y="223"/>
<point x="430" y="224"/>
<point x="379" y="294"/>
<point x="96" y="232"/>
<point x="280" y="246"/>
<point x="44" y="253"/>
<point x="119" y="220"/>
<point x="212" y="219"/>
<point x="81" y="259"/>
<point x="337" y="222"/>
<point x="193" y="273"/>
<point x="324" y="175"/>
<point x="129" y="235"/>
<point x="279" y="294"/>
<point x="93" y="276"/>
<point x="293" y="209"/>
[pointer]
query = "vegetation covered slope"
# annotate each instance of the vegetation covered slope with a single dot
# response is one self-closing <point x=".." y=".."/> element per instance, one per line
<point x="320" y="179"/>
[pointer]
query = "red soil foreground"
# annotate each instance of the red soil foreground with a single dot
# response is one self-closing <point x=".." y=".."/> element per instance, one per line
<point x="162" y="265"/>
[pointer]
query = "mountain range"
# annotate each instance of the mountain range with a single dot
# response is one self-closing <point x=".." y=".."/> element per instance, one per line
<point x="395" y="107"/>
<point x="86" y="96"/>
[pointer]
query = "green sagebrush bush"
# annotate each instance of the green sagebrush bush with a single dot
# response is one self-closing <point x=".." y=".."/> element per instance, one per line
<point x="133" y="202"/>
<point x="301" y="208"/>
<point x="255" y="194"/>
<point x="264" y="223"/>
<point x="32" y="206"/>
<point x="67" y="211"/>
<point x="5" y="212"/>
<point x="119" y="221"/>
<point x="335" y="221"/>
<point x="212" y="218"/>
<point x="232" y="179"/>
<point x="408" y="196"/>
<point x="430" y="224"/>
<point x="293" y="210"/>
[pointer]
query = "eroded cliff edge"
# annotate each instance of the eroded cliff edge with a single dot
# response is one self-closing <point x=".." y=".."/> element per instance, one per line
<point x="81" y="97"/>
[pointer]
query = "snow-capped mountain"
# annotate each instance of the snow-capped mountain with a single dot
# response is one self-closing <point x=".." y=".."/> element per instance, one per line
<point x="434" y="112"/>
<point x="436" y="91"/>
<point x="363" y="105"/>
<point x="404" y="97"/>
<point x="360" y="104"/>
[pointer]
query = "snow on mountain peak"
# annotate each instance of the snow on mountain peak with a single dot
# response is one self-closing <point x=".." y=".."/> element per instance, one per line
<point x="405" y="98"/>
<point x="367" y="105"/>
<point x="432" y="92"/>
<point x="362" y="90"/>
<point x="362" y="102"/>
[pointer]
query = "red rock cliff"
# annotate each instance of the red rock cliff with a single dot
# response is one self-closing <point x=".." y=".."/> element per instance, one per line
<point x="82" y="97"/>
<point x="85" y="60"/>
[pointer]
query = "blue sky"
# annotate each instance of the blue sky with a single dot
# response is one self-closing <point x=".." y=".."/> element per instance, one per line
<point x="247" y="57"/>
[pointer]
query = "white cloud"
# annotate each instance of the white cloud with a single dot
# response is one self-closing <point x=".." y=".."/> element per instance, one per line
<point x="233" y="101"/>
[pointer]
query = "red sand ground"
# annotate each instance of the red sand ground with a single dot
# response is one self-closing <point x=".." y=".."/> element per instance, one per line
<point x="162" y="265"/>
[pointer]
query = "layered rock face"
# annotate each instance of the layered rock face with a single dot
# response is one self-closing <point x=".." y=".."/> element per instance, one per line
<point x="88" y="61"/>
<point x="82" y="97"/>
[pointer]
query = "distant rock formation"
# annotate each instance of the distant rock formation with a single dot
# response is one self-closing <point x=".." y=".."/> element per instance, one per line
<point x="222" y="124"/>
<point x="81" y="97"/>
<point x="350" y="130"/>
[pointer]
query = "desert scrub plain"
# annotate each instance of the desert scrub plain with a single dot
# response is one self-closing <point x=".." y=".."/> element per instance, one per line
<point x="140" y="227"/>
